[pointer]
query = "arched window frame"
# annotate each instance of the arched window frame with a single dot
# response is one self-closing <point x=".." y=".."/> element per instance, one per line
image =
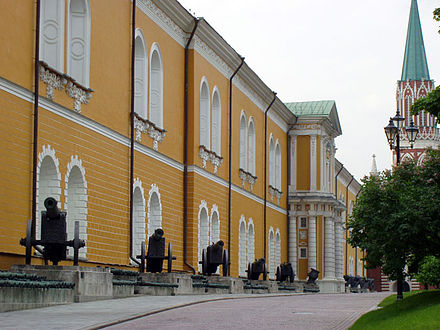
<point x="214" y="232"/>
<point x="243" y="141"/>
<point x="75" y="164"/>
<point x="155" y="49"/>
<point x="242" y="246"/>
<point x="203" y="231"/>
<point x="251" y="146"/>
<point x="51" y="190"/>
<point x="154" y="223"/>
<point x="277" y="248"/>
<point x="277" y="165"/>
<point x="216" y="121"/>
<point x="138" y="230"/>
<point x="141" y="72"/>
<point x="57" y="23"/>
<point x="271" y="161"/>
<point x="87" y="26"/>
<point x="251" y="242"/>
<point x="271" y="261"/>
<point x="205" y="119"/>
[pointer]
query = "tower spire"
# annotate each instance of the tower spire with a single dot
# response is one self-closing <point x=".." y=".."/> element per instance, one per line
<point x="415" y="66"/>
<point x="374" y="166"/>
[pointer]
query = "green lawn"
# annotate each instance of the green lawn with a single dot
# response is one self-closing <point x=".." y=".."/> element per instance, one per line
<point x="418" y="310"/>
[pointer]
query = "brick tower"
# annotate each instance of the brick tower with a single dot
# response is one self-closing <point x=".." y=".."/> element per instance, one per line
<point x="413" y="84"/>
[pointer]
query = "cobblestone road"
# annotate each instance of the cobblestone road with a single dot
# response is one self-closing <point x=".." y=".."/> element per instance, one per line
<point x="317" y="311"/>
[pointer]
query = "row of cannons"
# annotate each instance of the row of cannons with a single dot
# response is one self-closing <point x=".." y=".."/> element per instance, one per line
<point x="358" y="284"/>
<point x="53" y="247"/>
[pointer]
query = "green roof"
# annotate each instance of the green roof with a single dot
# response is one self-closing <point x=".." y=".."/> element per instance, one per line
<point x="324" y="109"/>
<point x="311" y="108"/>
<point x="415" y="66"/>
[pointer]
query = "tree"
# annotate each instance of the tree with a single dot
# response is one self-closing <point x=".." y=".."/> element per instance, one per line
<point x="396" y="218"/>
<point x="429" y="273"/>
<point x="437" y="15"/>
<point x="430" y="103"/>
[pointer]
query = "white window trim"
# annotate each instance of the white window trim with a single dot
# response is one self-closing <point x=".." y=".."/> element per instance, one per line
<point x="155" y="48"/>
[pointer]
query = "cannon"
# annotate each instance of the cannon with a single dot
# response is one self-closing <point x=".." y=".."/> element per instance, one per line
<point x="285" y="272"/>
<point x="53" y="236"/>
<point x="214" y="256"/>
<point x="371" y="284"/>
<point x="156" y="253"/>
<point x="256" y="268"/>
<point x="313" y="276"/>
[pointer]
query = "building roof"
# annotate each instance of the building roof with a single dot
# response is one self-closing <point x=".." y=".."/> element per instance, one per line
<point x="323" y="109"/>
<point x="415" y="66"/>
<point x="311" y="108"/>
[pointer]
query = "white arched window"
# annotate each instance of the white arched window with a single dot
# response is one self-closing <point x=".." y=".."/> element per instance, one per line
<point x="76" y="202"/>
<point x="52" y="33"/>
<point x="277" y="249"/>
<point x="156" y="86"/>
<point x="204" y="114"/>
<point x="216" y="121"/>
<point x="242" y="248"/>
<point x="140" y="75"/>
<point x="251" y="242"/>
<point x="251" y="146"/>
<point x="243" y="141"/>
<point x="154" y="210"/>
<point x="271" y="162"/>
<point x="78" y="41"/>
<point x="48" y="182"/>
<point x="138" y="218"/>
<point x="203" y="230"/>
<point x="271" y="262"/>
<point x="278" y="166"/>
<point x="215" y="225"/>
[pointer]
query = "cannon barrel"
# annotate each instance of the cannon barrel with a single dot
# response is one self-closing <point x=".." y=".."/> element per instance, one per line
<point x="50" y="204"/>
<point x="219" y="244"/>
<point x="158" y="234"/>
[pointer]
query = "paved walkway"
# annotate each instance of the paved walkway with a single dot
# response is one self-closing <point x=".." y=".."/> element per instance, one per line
<point x="295" y="311"/>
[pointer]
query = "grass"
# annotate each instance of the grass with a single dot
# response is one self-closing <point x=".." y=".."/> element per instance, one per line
<point x="417" y="310"/>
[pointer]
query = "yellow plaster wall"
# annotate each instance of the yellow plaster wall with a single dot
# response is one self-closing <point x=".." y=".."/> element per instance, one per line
<point x="303" y="163"/>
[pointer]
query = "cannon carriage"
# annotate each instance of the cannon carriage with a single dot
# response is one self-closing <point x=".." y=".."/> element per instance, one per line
<point x="53" y="236"/>
<point x="285" y="272"/>
<point x="256" y="268"/>
<point x="156" y="254"/>
<point x="214" y="256"/>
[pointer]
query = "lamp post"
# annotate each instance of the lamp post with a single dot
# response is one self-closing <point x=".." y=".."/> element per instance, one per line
<point x="392" y="131"/>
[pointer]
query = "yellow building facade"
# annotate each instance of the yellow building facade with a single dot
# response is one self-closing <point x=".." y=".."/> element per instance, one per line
<point x="134" y="122"/>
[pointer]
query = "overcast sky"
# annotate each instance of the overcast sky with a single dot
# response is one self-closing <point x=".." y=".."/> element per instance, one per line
<point x="343" y="50"/>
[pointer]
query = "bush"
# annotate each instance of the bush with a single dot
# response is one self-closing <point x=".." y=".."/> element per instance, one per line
<point x="429" y="271"/>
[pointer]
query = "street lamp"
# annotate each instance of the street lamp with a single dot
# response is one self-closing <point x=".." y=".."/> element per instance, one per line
<point x="392" y="131"/>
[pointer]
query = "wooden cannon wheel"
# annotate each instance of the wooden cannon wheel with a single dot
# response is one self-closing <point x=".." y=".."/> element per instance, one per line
<point x="278" y="273"/>
<point x="204" y="262"/>
<point x="225" y="263"/>
<point x="249" y="271"/>
<point x="28" y="242"/>
<point x="170" y="257"/>
<point x="76" y="244"/>
<point x="142" y="257"/>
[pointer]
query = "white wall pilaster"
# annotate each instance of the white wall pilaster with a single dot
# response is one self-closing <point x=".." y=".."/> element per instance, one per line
<point x="312" y="243"/>
<point x="329" y="248"/>
<point x="292" y="243"/>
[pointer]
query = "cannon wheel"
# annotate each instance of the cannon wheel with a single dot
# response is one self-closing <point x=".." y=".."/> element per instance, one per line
<point x="225" y="263"/>
<point x="204" y="262"/>
<point x="170" y="257"/>
<point x="265" y="273"/>
<point x="76" y="244"/>
<point x="142" y="257"/>
<point x="28" y="242"/>
<point x="278" y="274"/>
<point x="249" y="271"/>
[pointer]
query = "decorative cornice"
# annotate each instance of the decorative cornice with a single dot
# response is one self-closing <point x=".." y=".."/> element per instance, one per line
<point x="142" y="125"/>
<point x="274" y="192"/>
<point x="208" y="155"/>
<point x="246" y="176"/>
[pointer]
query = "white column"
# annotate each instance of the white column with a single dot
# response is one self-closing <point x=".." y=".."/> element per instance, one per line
<point x="313" y="163"/>
<point x="292" y="243"/>
<point x="339" y="250"/>
<point x="312" y="243"/>
<point x="329" y="248"/>
<point x="293" y="164"/>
